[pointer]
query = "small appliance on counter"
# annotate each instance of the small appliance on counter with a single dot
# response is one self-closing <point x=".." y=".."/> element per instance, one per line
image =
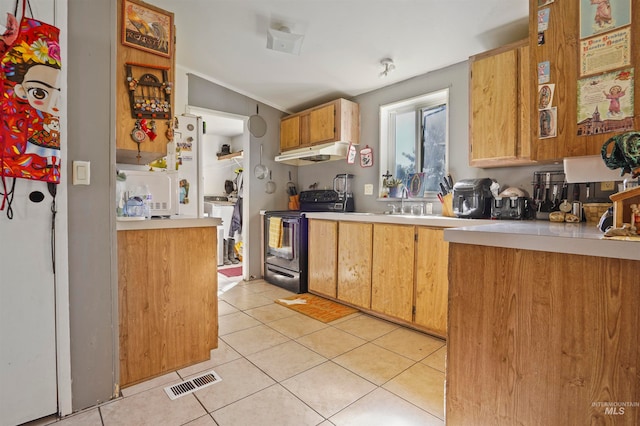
<point x="472" y="198"/>
<point x="515" y="208"/>
<point x="325" y="200"/>
<point x="338" y="199"/>
<point x="512" y="203"/>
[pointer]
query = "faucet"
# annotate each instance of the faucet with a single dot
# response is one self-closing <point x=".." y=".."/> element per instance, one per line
<point x="404" y="194"/>
<point x="393" y="208"/>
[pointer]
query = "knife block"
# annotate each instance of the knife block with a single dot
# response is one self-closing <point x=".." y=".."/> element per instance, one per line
<point x="447" y="205"/>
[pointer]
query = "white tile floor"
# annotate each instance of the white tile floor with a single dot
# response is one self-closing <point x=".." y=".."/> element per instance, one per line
<point x="279" y="367"/>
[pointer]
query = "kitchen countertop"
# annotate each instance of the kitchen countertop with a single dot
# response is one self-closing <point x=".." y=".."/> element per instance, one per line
<point x="539" y="235"/>
<point x="169" y="223"/>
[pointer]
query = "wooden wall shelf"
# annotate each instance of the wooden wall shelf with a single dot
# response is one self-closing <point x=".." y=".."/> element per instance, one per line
<point x="230" y="156"/>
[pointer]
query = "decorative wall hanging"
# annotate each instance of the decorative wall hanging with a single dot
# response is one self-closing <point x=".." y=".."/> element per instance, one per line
<point x="351" y="154"/>
<point x="147" y="28"/>
<point x="29" y="119"/>
<point x="148" y="96"/>
<point x="366" y="157"/>
<point x="606" y="103"/>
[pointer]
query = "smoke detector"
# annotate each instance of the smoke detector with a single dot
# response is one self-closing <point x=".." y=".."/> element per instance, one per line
<point x="282" y="39"/>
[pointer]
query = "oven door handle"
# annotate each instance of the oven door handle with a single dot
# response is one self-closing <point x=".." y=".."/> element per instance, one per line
<point x="279" y="272"/>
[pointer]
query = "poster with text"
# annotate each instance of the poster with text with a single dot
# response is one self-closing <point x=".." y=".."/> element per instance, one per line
<point x="606" y="52"/>
<point x="605" y="103"/>
<point x="599" y="16"/>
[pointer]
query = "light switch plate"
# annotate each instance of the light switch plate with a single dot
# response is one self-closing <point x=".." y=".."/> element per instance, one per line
<point x="81" y="172"/>
<point x="607" y="186"/>
<point x="368" y="189"/>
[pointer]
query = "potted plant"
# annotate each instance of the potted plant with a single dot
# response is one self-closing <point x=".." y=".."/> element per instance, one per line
<point x="393" y="186"/>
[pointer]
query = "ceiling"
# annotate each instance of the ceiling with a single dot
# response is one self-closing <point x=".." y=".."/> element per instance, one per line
<point x="224" y="41"/>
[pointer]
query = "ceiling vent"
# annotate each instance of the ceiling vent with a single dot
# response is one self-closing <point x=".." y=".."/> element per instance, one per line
<point x="283" y="40"/>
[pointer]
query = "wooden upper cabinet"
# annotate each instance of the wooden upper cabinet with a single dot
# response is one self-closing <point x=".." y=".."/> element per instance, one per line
<point x="562" y="49"/>
<point x="334" y="121"/>
<point x="499" y="107"/>
<point x="322" y="124"/>
<point x="290" y="132"/>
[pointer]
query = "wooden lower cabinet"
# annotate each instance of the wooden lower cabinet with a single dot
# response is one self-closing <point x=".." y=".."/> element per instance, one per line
<point x="167" y="300"/>
<point x="322" y="257"/>
<point x="539" y="338"/>
<point x="392" y="271"/>
<point x="355" y="262"/>
<point x="432" y="283"/>
<point x="398" y="272"/>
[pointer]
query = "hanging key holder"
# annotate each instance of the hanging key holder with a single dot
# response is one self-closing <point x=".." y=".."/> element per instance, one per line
<point x="149" y="96"/>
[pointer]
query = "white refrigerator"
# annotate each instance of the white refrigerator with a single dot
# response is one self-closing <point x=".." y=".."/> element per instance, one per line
<point x="188" y="153"/>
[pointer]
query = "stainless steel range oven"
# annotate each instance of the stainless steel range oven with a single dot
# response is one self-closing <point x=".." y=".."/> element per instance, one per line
<point x="285" y="250"/>
<point x="285" y="234"/>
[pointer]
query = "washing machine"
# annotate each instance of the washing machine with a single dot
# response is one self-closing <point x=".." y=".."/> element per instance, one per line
<point x="223" y="210"/>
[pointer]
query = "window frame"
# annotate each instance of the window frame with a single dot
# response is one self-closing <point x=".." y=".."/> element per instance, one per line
<point x="387" y="133"/>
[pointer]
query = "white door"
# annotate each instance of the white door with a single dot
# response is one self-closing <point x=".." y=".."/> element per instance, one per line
<point x="27" y="292"/>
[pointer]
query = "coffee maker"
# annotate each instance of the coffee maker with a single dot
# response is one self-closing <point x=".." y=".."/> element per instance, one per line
<point x="342" y="186"/>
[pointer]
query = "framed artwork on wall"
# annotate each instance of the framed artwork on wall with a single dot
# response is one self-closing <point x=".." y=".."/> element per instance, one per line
<point x="147" y="28"/>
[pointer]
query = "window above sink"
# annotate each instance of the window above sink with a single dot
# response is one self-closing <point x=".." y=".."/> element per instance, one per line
<point x="414" y="144"/>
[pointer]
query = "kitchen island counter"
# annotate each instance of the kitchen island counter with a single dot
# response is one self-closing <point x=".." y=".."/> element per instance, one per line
<point x="169" y="223"/>
<point x="167" y="295"/>
<point x="539" y="235"/>
<point x="542" y="325"/>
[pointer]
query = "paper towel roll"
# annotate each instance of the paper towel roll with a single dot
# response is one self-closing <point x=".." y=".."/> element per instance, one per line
<point x="590" y="168"/>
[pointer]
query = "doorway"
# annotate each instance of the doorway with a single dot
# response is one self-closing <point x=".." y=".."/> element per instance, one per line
<point x="225" y="140"/>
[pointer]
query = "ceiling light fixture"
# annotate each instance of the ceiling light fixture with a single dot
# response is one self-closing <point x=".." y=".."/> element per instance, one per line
<point x="388" y="65"/>
<point x="283" y="40"/>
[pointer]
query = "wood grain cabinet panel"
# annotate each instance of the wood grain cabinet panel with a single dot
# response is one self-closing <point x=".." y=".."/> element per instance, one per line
<point x="322" y="257"/>
<point x="355" y="252"/>
<point x="538" y="338"/>
<point x="562" y="49"/>
<point x="499" y="130"/>
<point x="290" y="133"/>
<point x="127" y="150"/>
<point x="322" y="124"/>
<point x="392" y="272"/>
<point x="432" y="264"/>
<point x="338" y="120"/>
<point x="167" y="300"/>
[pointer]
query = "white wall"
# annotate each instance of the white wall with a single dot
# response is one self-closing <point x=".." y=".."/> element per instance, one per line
<point x="217" y="171"/>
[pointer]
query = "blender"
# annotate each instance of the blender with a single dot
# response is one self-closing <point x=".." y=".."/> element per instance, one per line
<point x="342" y="185"/>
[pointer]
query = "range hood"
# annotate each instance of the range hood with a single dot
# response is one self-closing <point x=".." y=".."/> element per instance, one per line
<point x="314" y="154"/>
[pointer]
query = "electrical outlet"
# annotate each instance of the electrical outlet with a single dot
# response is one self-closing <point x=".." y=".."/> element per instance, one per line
<point x="607" y="186"/>
<point x="368" y="189"/>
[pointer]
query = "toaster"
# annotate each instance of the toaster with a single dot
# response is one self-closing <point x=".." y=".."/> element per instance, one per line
<point x="472" y="198"/>
<point x="515" y="208"/>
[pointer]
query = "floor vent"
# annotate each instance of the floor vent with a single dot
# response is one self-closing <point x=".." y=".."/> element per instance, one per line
<point x="192" y="385"/>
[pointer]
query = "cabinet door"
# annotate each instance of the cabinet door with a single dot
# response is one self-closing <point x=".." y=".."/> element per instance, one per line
<point x="289" y="133"/>
<point x="354" y="263"/>
<point x="494" y="107"/>
<point x="392" y="272"/>
<point x="322" y="258"/>
<point x="432" y="263"/>
<point x="322" y="126"/>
